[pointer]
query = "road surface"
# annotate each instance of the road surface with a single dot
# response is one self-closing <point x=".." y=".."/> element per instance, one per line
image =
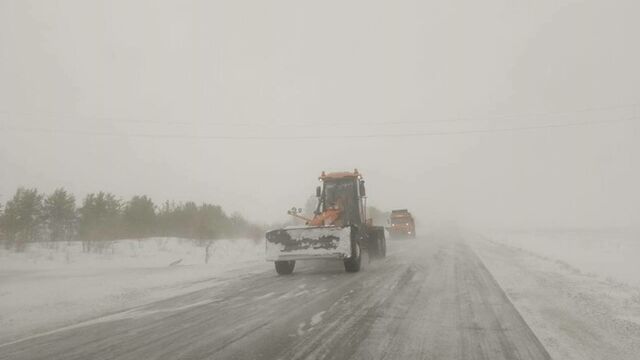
<point x="431" y="298"/>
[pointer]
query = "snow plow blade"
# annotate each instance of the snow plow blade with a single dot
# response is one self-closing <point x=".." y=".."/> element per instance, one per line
<point x="309" y="242"/>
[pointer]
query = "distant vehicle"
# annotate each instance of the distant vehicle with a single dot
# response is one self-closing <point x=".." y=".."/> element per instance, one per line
<point x="338" y="230"/>
<point x="402" y="224"/>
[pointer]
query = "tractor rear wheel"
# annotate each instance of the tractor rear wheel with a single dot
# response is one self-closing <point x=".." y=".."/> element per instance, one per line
<point x="378" y="246"/>
<point x="352" y="264"/>
<point x="285" y="267"/>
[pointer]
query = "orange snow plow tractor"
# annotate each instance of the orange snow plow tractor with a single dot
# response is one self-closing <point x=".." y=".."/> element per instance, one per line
<point x="339" y="228"/>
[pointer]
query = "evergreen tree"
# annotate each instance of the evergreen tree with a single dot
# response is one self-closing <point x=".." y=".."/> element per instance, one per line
<point x="60" y="215"/>
<point x="28" y="216"/>
<point x="139" y="217"/>
<point x="100" y="219"/>
<point x="188" y="220"/>
<point x="166" y="220"/>
<point x="211" y="222"/>
<point x="23" y="218"/>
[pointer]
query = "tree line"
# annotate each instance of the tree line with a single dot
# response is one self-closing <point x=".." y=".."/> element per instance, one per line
<point x="31" y="216"/>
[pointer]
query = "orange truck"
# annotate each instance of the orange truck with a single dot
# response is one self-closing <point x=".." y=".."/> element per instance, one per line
<point x="402" y="224"/>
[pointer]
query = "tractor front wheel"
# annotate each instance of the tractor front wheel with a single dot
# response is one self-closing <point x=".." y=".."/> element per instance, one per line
<point x="285" y="267"/>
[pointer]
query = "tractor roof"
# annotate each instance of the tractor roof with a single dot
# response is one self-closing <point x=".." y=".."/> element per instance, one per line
<point x="340" y="175"/>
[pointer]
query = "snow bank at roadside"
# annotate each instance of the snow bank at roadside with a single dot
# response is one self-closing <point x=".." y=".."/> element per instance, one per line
<point x="150" y="252"/>
<point x="609" y="255"/>
<point x="54" y="285"/>
<point x="576" y="314"/>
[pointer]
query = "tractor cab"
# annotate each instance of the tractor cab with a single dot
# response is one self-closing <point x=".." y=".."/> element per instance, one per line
<point x="341" y="200"/>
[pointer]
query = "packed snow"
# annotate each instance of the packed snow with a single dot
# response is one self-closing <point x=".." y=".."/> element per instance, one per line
<point x="578" y="291"/>
<point x="57" y="284"/>
<point x="317" y="318"/>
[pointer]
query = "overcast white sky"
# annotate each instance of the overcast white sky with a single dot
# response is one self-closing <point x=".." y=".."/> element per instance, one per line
<point x="136" y="97"/>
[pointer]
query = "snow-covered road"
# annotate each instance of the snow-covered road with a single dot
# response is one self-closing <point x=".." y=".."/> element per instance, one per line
<point x="576" y="312"/>
<point x="430" y="298"/>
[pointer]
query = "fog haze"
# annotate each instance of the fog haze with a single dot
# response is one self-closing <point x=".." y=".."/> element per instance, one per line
<point x="491" y="114"/>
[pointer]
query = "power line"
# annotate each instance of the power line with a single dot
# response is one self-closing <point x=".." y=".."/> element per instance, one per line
<point x="326" y="137"/>
<point x="346" y="123"/>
